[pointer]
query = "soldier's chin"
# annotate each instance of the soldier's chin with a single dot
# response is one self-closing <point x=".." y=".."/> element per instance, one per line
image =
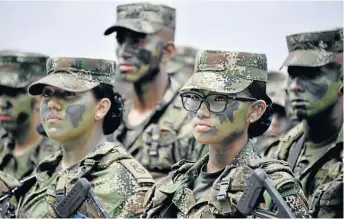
<point x="56" y="134"/>
<point x="301" y="114"/>
<point x="130" y="77"/>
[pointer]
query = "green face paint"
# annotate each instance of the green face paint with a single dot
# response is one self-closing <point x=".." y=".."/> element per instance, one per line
<point x="138" y="54"/>
<point x="225" y="127"/>
<point x="312" y="90"/>
<point x="67" y="115"/>
<point x="16" y="107"/>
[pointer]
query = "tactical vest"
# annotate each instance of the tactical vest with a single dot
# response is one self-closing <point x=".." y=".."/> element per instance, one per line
<point x="226" y="189"/>
<point x="325" y="170"/>
<point x="153" y="144"/>
<point x="58" y="188"/>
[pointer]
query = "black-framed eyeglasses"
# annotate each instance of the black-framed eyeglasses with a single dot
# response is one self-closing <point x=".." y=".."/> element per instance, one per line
<point x="216" y="103"/>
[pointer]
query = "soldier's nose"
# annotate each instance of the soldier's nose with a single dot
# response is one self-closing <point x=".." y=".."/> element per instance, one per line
<point x="295" y="85"/>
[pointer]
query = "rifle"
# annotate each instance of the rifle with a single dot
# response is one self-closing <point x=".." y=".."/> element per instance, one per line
<point x="249" y="201"/>
<point x="80" y="192"/>
<point x="7" y="210"/>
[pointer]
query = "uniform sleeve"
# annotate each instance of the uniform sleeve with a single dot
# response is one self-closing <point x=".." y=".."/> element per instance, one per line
<point x="120" y="193"/>
<point x="298" y="205"/>
<point x="327" y="200"/>
<point x="290" y="189"/>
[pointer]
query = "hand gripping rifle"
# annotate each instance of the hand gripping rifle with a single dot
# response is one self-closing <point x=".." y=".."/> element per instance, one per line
<point x="249" y="201"/>
<point x="7" y="209"/>
<point x="81" y="192"/>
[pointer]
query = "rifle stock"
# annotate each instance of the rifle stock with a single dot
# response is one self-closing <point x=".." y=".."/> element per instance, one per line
<point x="80" y="192"/>
<point x="249" y="201"/>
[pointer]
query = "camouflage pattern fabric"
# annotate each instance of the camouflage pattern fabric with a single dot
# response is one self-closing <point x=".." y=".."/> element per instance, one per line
<point x="168" y="128"/>
<point x="314" y="49"/>
<point x="117" y="179"/>
<point x="24" y="165"/>
<point x="8" y="182"/>
<point x="144" y="18"/>
<point x="75" y="74"/>
<point x="182" y="63"/>
<point x="173" y="197"/>
<point x="227" y="72"/>
<point x="19" y="69"/>
<point x="316" y="177"/>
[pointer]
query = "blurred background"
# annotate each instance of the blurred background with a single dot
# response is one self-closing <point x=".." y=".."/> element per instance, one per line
<point x="75" y="28"/>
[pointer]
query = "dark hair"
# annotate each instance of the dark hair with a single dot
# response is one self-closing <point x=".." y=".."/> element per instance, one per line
<point x="257" y="89"/>
<point x="114" y="116"/>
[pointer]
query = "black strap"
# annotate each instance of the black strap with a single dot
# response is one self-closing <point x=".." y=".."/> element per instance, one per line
<point x="294" y="154"/>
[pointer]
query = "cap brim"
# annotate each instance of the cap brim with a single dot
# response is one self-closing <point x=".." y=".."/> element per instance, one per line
<point x="220" y="83"/>
<point x="63" y="80"/>
<point x="216" y="82"/>
<point x="137" y="25"/>
<point x="308" y="58"/>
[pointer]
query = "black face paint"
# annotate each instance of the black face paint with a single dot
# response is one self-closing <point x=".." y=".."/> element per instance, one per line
<point x="74" y="112"/>
<point x="33" y="103"/>
<point x="228" y="113"/>
<point x="232" y="137"/>
<point x="22" y="117"/>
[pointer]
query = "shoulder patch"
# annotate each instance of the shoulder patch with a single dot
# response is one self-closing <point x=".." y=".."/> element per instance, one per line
<point x="138" y="171"/>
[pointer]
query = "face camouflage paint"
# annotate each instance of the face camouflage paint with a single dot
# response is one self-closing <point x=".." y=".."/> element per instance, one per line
<point x="312" y="89"/>
<point x="226" y="126"/>
<point x="66" y="115"/>
<point x="139" y="54"/>
<point x="16" y="107"/>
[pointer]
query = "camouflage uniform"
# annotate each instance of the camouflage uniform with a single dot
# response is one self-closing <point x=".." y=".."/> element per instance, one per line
<point x="276" y="89"/>
<point x="174" y="196"/>
<point x="116" y="177"/>
<point x="18" y="70"/>
<point x="320" y="171"/>
<point x="181" y="65"/>
<point x="165" y="136"/>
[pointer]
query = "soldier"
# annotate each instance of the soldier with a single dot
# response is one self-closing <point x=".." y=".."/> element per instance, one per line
<point x="228" y="105"/>
<point x="314" y="148"/>
<point x="155" y="128"/>
<point x="21" y="146"/>
<point x="78" y="108"/>
<point x="181" y="65"/>
<point x="280" y="123"/>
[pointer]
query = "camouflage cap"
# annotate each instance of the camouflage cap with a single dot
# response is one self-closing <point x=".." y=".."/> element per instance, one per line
<point x="75" y="74"/>
<point x="226" y="72"/>
<point x="183" y="56"/>
<point x="276" y="86"/>
<point x="144" y="18"/>
<point x="314" y="49"/>
<point x="19" y="69"/>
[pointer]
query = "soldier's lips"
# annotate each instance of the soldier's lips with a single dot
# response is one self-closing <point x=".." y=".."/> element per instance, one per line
<point x="53" y="118"/>
<point x="299" y="103"/>
<point x="5" y="117"/>
<point x="201" y="126"/>
<point x="125" y="67"/>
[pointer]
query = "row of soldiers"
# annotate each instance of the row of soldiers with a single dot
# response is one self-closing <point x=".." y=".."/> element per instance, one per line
<point x="171" y="130"/>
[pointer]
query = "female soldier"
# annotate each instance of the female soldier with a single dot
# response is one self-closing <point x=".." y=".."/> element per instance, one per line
<point x="228" y="106"/>
<point x="78" y="107"/>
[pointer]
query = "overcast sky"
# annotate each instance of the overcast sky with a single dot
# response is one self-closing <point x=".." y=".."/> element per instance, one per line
<point x="75" y="28"/>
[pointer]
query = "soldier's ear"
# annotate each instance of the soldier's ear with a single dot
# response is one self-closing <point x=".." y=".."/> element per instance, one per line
<point x="102" y="107"/>
<point x="258" y="109"/>
<point x="169" y="49"/>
